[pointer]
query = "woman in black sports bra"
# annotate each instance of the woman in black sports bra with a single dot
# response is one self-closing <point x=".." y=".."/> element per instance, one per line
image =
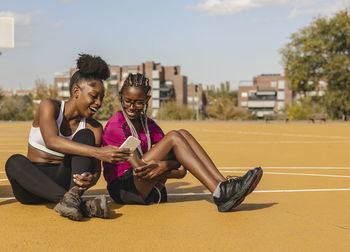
<point x="64" y="149"/>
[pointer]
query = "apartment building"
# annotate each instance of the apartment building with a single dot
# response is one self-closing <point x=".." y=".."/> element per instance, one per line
<point x="166" y="81"/>
<point x="269" y="93"/>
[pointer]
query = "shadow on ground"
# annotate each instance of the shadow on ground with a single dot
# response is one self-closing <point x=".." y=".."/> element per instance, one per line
<point x="180" y="188"/>
<point x="253" y="206"/>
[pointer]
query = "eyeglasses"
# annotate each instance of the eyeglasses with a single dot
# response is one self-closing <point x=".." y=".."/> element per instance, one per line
<point x="137" y="103"/>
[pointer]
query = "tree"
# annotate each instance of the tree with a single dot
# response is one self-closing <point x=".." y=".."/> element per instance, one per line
<point x="222" y="92"/>
<point x="43" y="90"/>
<point x="109" y="106"/>
<point x="321" y="51"/>
<point x="17" y="108"/>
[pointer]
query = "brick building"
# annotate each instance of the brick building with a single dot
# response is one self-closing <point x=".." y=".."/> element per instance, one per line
<point x="166" y="81"/>
<point x="270" y="93"/>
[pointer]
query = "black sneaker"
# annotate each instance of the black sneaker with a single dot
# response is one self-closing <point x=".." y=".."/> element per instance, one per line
<point x="234" y="191"/>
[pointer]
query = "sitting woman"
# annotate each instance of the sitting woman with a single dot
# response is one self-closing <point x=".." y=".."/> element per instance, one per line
<point x="141" y="180"/>
<point x="64" y="149"/>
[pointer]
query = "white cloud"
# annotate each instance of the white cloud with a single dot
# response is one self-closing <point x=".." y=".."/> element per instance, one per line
<point x="20" y="19"/>
<point x="298" y="7"/>
<point x="58" y="24"/>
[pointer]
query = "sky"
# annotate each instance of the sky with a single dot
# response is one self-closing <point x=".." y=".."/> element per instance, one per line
<point x="212" y="40"/>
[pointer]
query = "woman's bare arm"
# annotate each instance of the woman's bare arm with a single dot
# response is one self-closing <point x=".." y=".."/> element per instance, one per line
<point x="49" y="131"/>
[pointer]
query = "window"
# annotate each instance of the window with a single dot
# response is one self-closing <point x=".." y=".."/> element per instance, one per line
<point x="273" y="84"/>
<point x="281" y="84"/>
<point x="155" y="84"/>
<point x="155" y="93"/>
<point x="280" y="95"/>
<point x="244" y="94"/>
<point x="113" y="76"/>
<point x="155" y="74"/>
<point x="155" y="103"/>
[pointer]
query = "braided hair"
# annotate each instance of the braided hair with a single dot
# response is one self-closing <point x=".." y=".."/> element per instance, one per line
<point x="140" y="81"/>
<point x="137" y="80"/>
<point x="89" y="68"/>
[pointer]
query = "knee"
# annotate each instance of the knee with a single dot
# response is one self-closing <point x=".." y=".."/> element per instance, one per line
<point x="175" y="136"/>
<point x="13" y="164"/>
<point x="183" y="132"/>
<point x="85" y="136"/>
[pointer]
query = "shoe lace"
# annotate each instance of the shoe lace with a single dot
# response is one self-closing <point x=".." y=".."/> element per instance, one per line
<point x="233" y="178"/>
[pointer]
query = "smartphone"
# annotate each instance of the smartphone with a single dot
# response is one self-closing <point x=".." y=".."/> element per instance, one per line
<point x="131" y="143"/>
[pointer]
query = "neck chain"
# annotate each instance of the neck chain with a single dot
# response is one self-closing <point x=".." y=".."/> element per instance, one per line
<point x="144" y="124"/>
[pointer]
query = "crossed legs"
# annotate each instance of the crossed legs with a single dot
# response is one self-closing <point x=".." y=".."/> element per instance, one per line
<point x="183" y="147"/>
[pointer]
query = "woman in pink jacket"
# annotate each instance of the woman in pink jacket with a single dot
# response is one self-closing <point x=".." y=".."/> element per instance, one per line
<point x="159" y="157"/>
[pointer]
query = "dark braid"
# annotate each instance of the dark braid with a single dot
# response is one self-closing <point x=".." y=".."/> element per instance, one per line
<point x="137" y="80"/>
<point x="89" y="68"/>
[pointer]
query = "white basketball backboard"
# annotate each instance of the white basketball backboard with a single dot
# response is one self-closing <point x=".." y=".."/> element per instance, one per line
<point x="7" y="33"/>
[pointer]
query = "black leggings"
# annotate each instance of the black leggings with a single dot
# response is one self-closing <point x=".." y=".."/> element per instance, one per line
<point x="35" y="183"/>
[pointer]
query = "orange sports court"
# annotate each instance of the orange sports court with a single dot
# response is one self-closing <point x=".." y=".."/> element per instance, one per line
<point x="301" y="204"/>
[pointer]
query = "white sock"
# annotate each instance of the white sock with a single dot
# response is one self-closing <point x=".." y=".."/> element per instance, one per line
<point x="217" y="191"/>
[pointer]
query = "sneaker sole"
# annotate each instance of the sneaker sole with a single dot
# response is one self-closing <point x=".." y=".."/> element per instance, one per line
<point x="69" y="212"/>
<point x="236" y="200"/>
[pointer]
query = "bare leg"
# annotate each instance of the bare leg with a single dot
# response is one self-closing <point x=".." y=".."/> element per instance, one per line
<point x="201" y="153"/>
<point x="144" y="187"/>
<point x="174" y="142"/>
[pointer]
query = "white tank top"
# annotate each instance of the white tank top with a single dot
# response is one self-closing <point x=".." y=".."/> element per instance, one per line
<point x="36" y="139"/>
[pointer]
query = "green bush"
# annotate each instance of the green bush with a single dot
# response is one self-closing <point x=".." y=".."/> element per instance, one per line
<point x="172" y="111"/>
<point x="225" y="109"/>
<point x="305" y="107"/>
<point x="110" y="105"/>
<point x="17" y="108"/>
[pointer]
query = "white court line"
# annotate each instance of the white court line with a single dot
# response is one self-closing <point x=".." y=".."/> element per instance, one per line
<point x="290" y="173"/>
<point x="272" y="142"/>
<point x="288" y="167"/>
<point x="208" y="193"/>
<point x="234" y="169"/>
<point x="272" y="134"/>
<point x="282" y="167"/>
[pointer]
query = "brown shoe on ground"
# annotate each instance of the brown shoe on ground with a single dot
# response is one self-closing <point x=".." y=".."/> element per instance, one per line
<point x="69" y="206"/>
<point x="97" y="207"/>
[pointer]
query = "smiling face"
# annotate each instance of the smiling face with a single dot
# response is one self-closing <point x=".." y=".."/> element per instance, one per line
<point x="90" y="94"/>
<point x="133" y="100"/>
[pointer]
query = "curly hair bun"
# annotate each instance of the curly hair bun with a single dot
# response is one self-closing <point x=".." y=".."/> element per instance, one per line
<point x="93" y="66"/>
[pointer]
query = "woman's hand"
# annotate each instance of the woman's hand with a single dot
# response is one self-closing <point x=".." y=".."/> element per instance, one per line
<point x="178" y="173"/>
<point x="151" y="170"/>
<point x="113" y="154"/>
<point x="85" y="180"/>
